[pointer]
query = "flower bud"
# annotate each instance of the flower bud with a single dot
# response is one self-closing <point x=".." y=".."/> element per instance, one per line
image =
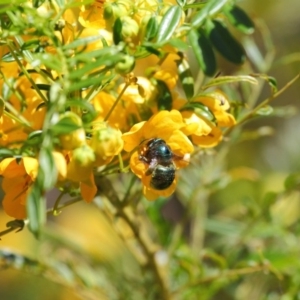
<point x="106" y="143"/>
<point x="115" y="10"/>
<point x="130" y="28"/>
<point x="126" y="65"/>
<point x="84" y="156"/>
<point x="75" y="138"/>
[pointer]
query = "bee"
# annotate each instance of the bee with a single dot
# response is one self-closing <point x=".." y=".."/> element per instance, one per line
<point x="159" y="157"/>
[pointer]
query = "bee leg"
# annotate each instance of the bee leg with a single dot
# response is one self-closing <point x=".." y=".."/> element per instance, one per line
<point x="151" y="168"/>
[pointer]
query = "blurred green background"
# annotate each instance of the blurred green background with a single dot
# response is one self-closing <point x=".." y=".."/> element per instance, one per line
<point x="260" y="165"/>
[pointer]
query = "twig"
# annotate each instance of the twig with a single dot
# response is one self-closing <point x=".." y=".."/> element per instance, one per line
<point x="149" y="248"/>
<point x="262" y="104"/>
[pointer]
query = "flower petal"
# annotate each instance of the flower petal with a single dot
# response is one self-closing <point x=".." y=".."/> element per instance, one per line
<point x="10" y="168"/>
<point x="88" y="189"/>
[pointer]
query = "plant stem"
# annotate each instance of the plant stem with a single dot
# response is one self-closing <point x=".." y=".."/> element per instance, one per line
<point x="148" y="247"/>
<point x="224" y="274"/>
<point x="127" y="83"/>
<point x="262" y="104"/>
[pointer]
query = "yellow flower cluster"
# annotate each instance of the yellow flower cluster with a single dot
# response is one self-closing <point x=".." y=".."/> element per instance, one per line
<point x="144" y="107"/>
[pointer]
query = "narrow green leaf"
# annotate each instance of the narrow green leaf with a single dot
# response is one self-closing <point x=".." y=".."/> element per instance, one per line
<point x="203" y="52"/>
<point x="164" y="96"/>
<point x="265" y="111"/>
<point x="43" y="87"/>
<point x="179" y="44"/>
<point x="286" y="111"/>
<point x="34" y="137"/>
<point x="229" y="79"/>
<point x="47" y="173"/>
<point x="117" y="31"/>
<point x="92" y="55"/>
<point x="185" y="76"/>
<point x="211" y="8"/>
<point x="239" y="19"/>
<point x="90" y="81"/>
<point x="36" y="210"/>
<point x="89" y="67"/>
<point x="200" y="109"/>
<point x="30" y="44"/>
<point x="270" y="80"/>
<point x="225" y="43"/>
<point x="50" y="61"/>
<point x="151" y="29"/>
<point x="8" y="57"/>
<point x="6" y="153"/>
<point x="153" y="50"/>
<point x="181" y="2"/>
<point x="81" y="42"/>
<point x="64" y="126"/>
<point x="169" y="23"/>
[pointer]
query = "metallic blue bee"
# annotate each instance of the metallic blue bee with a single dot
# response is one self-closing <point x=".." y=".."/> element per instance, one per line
<point x="159" y="156"/>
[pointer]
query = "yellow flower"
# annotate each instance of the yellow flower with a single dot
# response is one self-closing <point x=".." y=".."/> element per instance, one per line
<point x="144" y="9"/>
<point x="103" y="102"/>
<point x="168" y="76"/>
<point x="204" y="124"/>
<point x="19" y="175"/>
<point x="27" y="110"/>
<point x="91" y="15"/>
<point x="140" y="92"/>
<point x="97" y="33"/>
<point x="164" y="125"/>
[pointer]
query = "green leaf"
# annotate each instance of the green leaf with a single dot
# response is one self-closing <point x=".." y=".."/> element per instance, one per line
<point x="96" y="54"/>
<point x="268" y="200"/>
<point x="30" y="44"/>
<point x="117" y="31"/>
<point x="151" y="29"/>
<point x="43" y="87"/>
<point x="181" y="2"/>
<point x="179" y="44"/>
<point x="9" y="57"/>
<point x="265" y="111"/>
<point x="34" y="137"/>
<point x="270" y="80"/>
<point x="64" y="126"/>
<point x="82" y="104"/>
<point x="239" y="19"/>
<point x="47" y="173"/>
<point x="211" y="8"/>
<point x="292" y="181"/>
<point x="6" y="153"/>
<point x="105" y="60"/>
<point x="153" y="50"/>
<point x="229" y="79"/>
<point x="286" y="111"/>
<point x="225" y="43"/>
<point x="164" y="96"/>
<point x="36" y="210"/>
<point x="185" y="76"/>
<point x="169" y="23"/>
<point x="81" y="42"/>
<point x="90" y="81"/>
<point x="199" y="109"/>
<point x="203" y="52"/>
<point x="50" y="61"/>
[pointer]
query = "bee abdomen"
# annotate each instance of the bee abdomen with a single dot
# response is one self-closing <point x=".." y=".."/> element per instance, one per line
<point x="162" y="177"/>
